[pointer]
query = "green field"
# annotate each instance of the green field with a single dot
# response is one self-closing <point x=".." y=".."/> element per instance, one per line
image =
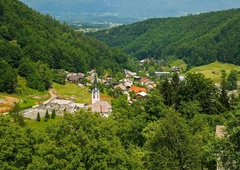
<point x="73" y="91"/>
<point x="213" y="70"/>
<point x="42" y="124"/>
<point x="29" y="97"/>
<point x="25" y="96"/>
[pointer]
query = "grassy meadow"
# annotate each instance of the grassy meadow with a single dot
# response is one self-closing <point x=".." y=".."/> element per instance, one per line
<point x="214" y="70"/>
<point x="25" y="96"/>
<point x="29" y="97"/>
<point x="73" y="91"/>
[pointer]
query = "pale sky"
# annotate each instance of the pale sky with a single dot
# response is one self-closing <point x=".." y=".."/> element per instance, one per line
<point x="132" y="8"/>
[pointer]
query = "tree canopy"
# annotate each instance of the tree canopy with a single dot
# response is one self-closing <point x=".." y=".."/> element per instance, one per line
<point x="198" y="39"/>
<point x="27" y="37"/>
<point x="149" y="133"/>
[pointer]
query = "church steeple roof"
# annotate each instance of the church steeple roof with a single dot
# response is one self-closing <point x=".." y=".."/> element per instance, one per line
<point x="95" y="81"/>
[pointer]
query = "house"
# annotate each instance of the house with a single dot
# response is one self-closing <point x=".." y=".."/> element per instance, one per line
<point x="150" y="85"/>
<point x="175" y="69"/>
<point x="137" y="89"/>
<point x="107" y="77"/>
<point x="128" y="73"/>
<point x="92" y="72"/>
<point x="142" y="62"/>
<point x="143" y="81"/>
<point x="127" y="83"/>
<point x="90" y="78"/>
<point x="141" y="95"/>
<point x="136" y="78"/>
<point x="162" y="74"/>
<point x="75" y="77"/>
<point x="121" y="86"/>
<point x="146" y="60"/>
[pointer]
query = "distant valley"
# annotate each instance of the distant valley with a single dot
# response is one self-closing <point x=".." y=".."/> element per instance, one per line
<point x="125" y="11"/>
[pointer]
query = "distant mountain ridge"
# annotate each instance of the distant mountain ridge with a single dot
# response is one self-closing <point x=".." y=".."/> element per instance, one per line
<point x="138" y="9"/>
<point x="198" y="39"/>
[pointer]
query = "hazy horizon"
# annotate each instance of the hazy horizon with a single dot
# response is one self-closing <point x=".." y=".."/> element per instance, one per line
<point x="139" y="9"/>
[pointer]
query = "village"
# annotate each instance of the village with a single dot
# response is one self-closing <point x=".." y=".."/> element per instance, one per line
<point x="132" y="85"/>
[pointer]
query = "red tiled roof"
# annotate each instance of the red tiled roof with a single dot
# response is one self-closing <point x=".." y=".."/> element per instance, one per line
<point x="106" y="75"/>
<point x="137" y="89"/>
<point x="144" y="80"/>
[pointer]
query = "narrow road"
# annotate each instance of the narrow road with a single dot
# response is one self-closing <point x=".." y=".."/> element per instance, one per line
<point x="53" y="95"/>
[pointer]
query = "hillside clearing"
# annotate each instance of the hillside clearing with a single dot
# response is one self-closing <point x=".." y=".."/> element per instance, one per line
<point x="73" y="91"/>
<point x="214" y="70"/>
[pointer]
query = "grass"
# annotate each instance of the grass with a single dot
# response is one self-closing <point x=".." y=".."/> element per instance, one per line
<point x="42" y="124"/>
<point x="215" y="67"/>
<point x="80" y="94"/>
<point x="73" y="91"/>
<point x="180" y="64"/>
<point x="26" y="97"/>
<point x="29" y="97"/>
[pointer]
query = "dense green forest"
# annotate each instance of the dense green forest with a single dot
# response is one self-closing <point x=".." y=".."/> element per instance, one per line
<point x="173" y="128"/>
<point x="198" y="39"/>
<point x="33" y="44"/>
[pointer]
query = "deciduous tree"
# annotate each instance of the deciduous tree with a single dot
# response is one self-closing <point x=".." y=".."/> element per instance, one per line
<point x="170" y="144"/>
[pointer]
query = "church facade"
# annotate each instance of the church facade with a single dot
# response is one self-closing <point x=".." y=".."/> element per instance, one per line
<point x="102" y="107"/>
<point x="95" y="92"/>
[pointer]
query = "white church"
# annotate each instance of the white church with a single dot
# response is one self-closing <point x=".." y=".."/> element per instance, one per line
<point x="103" y="107"/>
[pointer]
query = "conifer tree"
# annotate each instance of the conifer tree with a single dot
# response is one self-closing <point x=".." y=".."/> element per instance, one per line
<point x="166" y="89"/>
<point x="232" y="80"/>
<point x="53" y="114"/>
<point x="38" y="117"/>
<point x="47" y="116"/>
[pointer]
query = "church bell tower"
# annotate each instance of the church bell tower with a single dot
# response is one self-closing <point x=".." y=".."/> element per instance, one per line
<point x="95" y="91"/>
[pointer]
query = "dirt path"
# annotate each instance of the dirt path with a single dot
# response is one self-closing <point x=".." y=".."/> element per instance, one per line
<point x="6" y="103"/>
<point x="53" y="95"/>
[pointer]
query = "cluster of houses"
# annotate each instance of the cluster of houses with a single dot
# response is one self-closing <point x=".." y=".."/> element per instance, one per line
<point x="97" y="105"/>
<point x="131" y="84"/>
<point x="126" y="85"/>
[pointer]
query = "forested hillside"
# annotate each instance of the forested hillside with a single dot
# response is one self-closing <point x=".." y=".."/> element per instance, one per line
<point x="198" y="39"/>
<point x="32" y="43"/>
<point x="173" y="128"/>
